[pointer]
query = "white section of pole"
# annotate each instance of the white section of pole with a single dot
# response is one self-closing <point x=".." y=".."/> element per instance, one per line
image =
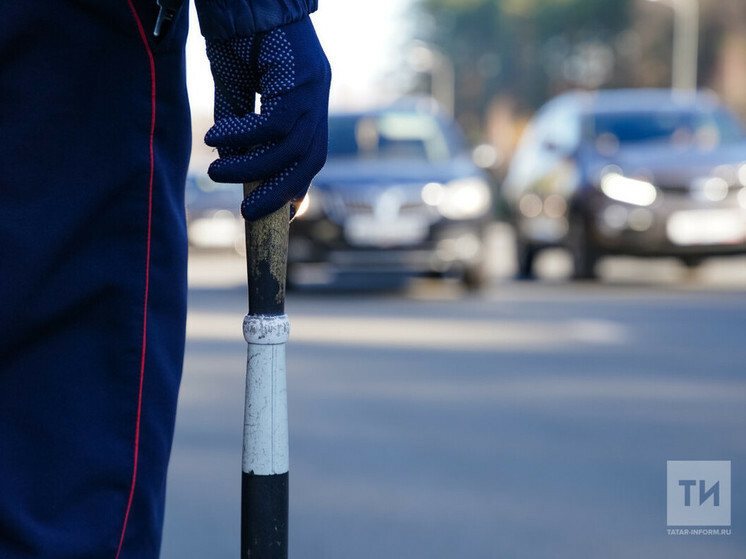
<point x="265" y="444"/>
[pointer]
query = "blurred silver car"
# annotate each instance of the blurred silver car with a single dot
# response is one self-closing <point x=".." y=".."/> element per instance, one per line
<point x="636" y="172"/>
<point x="399" y="194"/>
<point x="214" y="219"/>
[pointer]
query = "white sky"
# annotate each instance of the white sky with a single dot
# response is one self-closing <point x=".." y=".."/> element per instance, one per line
<point x="362" y="39"/>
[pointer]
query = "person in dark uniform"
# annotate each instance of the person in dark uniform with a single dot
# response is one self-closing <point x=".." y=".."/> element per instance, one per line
<point x="95" y="140"/>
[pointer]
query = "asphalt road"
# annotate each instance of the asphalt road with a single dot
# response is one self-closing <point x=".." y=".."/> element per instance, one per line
<point x="533" y="420"/>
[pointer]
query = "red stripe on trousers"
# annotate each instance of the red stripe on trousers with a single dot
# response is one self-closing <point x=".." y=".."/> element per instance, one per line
<point x="149" y="52"/>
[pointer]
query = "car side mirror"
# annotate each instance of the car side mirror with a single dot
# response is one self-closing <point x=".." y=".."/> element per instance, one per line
<point x="557" y="149"/>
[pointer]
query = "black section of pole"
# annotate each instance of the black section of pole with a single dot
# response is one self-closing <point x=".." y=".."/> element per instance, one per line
<point x="264" y="498"/>
<point x="266" y="259"/>
<point x="264" y="530"/>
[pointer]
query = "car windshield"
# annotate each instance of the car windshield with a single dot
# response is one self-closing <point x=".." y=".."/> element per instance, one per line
<point x="683" y="128"/>
<point x="388" y="136"/>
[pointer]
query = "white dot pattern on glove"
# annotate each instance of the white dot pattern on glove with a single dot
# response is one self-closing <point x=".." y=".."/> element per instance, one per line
<point x="265" y="190"/>
<point x="237" y="80"/>
<point x="273" y="145"/>
<point x="231" y="155"/>
<point x="276" y="64"/>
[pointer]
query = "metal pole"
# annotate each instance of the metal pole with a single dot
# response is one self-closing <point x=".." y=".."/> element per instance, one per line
<point x="265" y="464"/>
<point x="685" y="45"/>
<point x="426" y="58"/>
<point x="444" y="82"/>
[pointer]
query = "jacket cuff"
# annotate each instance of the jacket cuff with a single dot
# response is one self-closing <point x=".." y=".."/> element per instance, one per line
<point x="225" y="19"/>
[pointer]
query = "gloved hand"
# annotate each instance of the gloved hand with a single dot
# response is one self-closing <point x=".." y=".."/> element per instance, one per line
<point x="285" y="144"/>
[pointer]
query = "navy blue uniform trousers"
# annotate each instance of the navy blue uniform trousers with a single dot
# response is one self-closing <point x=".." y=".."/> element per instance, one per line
<point x="94" y="147"/>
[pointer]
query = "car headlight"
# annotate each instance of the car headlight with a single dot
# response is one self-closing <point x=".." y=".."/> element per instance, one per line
<point x="460" y="198"/>
<point x="630" y="191"/>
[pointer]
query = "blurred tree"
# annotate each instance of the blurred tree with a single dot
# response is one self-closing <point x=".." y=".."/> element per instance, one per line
<point x="510" y="56"/>
<point x="525" y="49"/>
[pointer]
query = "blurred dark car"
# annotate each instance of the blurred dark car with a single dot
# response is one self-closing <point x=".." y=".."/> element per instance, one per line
<point x="399" y="194"/>
<point x="214" y="219"/>
<point x="635" y="172"/>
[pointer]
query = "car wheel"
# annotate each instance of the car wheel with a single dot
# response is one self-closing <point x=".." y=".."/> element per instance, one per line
<point x="692" y="262"/>
<point x="585" y="254"/>
<point x="473" y="277"/>
<point x="525" y="253"/>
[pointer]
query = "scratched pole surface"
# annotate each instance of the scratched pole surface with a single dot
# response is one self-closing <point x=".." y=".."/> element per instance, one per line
<point x="266" y="259"/>
<point x="264" y="485"/>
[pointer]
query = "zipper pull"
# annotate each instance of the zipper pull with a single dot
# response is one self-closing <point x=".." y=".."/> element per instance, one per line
<point x="167" y="10"/>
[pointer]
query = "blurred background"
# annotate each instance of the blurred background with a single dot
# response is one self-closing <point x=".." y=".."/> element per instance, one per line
<point x="494" y="62"/>
<point x="518" y="288"/>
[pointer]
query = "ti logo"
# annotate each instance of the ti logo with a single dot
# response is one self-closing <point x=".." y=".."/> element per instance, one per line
<point x="698" y="492"/>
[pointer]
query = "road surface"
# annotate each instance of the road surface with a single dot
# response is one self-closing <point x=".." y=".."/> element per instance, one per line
<point x="532" y="420"/>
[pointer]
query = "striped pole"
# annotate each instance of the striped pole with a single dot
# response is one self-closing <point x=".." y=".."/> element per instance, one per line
<point x="264" y="483"/>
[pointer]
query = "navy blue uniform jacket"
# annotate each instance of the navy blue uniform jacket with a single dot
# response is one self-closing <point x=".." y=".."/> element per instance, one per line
<point x="95" y="139"/>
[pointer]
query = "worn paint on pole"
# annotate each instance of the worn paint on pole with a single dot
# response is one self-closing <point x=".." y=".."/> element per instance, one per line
<point x="265" y="462"/>
<point x="266" y="260"/>
<point x="265" y="450"/>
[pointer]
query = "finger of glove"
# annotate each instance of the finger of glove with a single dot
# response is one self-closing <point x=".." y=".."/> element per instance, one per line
<point x="290" y="185"/>
<point x="271" y="158"/>
<point x="269" y="196"/>
<point x="223" y="111"/>
<point x="227" y="108"/>
<point x="278" y="190"/>
<point x="235" y="131"/>
<point x="279" y="143"/>
<point x="277" y="118"/>
<point x="234" y="73"/>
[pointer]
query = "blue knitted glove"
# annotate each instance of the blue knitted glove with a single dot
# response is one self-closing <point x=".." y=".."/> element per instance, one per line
<point x="285" y="144"/>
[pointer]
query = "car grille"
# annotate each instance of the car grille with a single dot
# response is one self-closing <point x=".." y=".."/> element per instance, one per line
<point x="688" y="191"/>
<point x="396" y="200"/>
